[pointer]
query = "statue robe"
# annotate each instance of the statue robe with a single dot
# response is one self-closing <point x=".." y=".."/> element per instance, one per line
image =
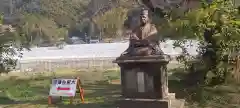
<point x="149" y="42"/>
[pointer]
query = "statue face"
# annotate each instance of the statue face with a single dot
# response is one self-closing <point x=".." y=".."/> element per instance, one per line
<point x="144" y="18"/>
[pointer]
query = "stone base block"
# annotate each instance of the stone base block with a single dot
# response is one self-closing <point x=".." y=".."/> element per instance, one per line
<point x="177" y="103"/>
<point x="151" y="103"/>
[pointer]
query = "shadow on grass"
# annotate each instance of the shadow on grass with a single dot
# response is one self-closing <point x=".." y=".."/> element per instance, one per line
<point x="183" y="87"/>
<point x="6" y="100"/>
<point x="35" y="92"/>
<point x="88" y="105"/>
<point x="96" y="96"/>
<point x="201" y="96"/>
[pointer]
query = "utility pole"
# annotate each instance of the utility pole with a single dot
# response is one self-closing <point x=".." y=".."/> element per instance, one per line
<point x="86" y="38"/>
<point x="10" y="7"/>
<point x="91" y="30"/>
<point x="100" y="36"/>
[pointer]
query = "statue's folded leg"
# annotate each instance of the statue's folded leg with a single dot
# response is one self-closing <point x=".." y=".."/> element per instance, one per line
<point x="157" y="50"/>
<point x="126" y="52"/>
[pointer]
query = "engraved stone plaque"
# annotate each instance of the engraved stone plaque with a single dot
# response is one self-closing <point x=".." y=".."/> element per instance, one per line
<point x="149" y="83"/>
<point x="130" y="78"/>
<point x="140" y="82"/>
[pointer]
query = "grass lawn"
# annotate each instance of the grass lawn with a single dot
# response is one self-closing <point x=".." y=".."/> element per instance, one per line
<point x="102" y="89"/>
<point x="220" y="96"/>
<point x="31" y="92"/>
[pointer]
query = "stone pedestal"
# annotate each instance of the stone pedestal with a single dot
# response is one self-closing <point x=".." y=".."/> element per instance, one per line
<point x="145" y="83"/>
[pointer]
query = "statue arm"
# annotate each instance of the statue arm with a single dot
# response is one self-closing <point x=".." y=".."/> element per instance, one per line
<point x="153" y="31"/>
<point x="152" y="35"/>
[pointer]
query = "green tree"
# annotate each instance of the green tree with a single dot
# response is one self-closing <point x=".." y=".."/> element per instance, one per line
<point x="48" y="20"/>
<point x="216" y="26"/>
<point x="40" y="29"/>
<point x="111" y="22"/>
<point x="11" y="45"/>
<point x="64" y="12"/>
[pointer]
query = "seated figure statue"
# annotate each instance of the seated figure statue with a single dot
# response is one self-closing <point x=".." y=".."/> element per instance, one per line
<point x="143" y="39"/>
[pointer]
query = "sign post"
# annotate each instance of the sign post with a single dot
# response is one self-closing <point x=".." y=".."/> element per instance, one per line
<point x="65" y="88"/>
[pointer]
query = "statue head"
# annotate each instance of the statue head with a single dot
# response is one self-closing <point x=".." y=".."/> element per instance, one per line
<point x="144" y="17"/>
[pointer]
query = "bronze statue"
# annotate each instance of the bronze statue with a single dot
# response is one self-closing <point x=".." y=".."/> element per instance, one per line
<point x="143" y="39"/>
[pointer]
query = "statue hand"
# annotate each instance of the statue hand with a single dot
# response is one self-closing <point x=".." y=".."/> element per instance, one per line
<point x="133" y="36"/>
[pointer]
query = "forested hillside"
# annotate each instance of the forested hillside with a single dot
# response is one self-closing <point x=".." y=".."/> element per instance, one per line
<point x="52" y="21"/>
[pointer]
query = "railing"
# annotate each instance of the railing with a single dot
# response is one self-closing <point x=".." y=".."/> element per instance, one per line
<point x="51" y="65"/>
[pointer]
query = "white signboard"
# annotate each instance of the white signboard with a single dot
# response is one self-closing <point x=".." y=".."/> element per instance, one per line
<point x="63" y="87"/>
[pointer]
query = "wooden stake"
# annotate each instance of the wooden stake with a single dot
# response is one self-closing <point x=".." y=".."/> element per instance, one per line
<point x="49" y="100"/>
<point x="81" y="90"/>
